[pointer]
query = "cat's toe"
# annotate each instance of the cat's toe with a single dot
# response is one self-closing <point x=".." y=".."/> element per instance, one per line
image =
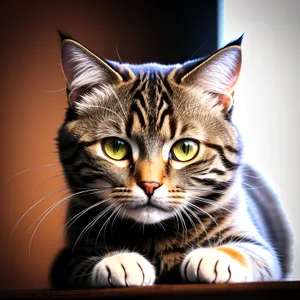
<point x="123" y="269"/>
<point x="213" y="266"/>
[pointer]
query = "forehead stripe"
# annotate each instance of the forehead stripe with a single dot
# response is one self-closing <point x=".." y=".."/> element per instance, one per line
<point x="139" y="97"/>
<point x="135" y="109"/>
<point x="173" y="126"/>
<point x="135" y="85"/>
<point x="166" y="84"/>
<point x="168" y="110"/>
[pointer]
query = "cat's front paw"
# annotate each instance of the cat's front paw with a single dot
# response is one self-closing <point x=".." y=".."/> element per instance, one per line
<point x="123" y="269"/>
<point x="216" y="265"/>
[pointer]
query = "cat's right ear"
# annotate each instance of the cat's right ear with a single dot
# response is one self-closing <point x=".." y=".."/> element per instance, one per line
<point x="83" y="70"/>
<point x="216" y="75"/>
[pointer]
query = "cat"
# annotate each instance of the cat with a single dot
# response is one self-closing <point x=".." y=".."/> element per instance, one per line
<point x="160" y="190"/>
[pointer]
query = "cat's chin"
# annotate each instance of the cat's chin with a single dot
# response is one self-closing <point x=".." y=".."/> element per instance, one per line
<point x="148" y="215"/>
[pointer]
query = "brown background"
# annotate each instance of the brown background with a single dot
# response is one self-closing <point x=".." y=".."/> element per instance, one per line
<point x="33" y="104"/>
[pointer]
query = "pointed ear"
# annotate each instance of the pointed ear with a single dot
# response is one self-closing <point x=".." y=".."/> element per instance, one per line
<point x="83" y="70"/>
<point x="216" y="75"/>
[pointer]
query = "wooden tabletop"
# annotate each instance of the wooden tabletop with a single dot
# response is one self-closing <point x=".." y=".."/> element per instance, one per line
<point x="241" y="291"/>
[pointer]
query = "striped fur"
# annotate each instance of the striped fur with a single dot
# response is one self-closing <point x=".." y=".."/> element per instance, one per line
<point x="203" y="214"/>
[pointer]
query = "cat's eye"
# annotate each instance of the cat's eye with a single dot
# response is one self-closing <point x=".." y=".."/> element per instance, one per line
<point x="115" y="148"/>
<point x="184" y="150"/>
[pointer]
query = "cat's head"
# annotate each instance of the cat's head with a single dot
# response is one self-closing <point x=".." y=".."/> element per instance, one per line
<point x="150" y="142"/>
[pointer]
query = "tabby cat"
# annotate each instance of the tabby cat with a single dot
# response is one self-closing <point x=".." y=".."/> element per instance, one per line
<point x="160" y="192"/>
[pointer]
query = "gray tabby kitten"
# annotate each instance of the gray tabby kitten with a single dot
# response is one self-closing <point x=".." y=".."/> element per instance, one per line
<point x="160" y="192"/>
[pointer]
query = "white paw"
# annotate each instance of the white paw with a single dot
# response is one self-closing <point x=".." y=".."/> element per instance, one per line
<point x="123" y="269"/>
<point x="213" y="266"/>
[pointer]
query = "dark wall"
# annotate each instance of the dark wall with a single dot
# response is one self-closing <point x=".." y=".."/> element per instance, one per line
<point x="32" y="104"/>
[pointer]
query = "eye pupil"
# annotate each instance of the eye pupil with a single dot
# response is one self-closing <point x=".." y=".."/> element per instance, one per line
<point x="116" y="146"/>
<point x="186" y="148"/>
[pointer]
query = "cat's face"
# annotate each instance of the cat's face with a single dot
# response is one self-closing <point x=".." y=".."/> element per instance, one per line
<point x="152" y="142"/>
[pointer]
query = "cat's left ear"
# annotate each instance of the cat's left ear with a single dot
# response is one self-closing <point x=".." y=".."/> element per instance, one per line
<point x="217" y="75"/>
<point x="83" y="69"/>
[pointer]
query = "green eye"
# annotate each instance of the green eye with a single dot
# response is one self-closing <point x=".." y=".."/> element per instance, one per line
<point x="115" y="148"/>
<point x="184" y="150"/>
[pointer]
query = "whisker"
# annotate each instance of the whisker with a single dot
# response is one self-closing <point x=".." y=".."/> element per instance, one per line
<point x="203" y="211"/>
<point x="244" y="173"/>
<point x="119" y="210"/>
<point x="209" y="215"/>
<point x="48" y="179"/>
<point x="89" y="225"/>
<point x="48" y="211"/>
<point x="92" y="191"/>
<point x="122" y="218"/>
<point x="28" y="210"/>
<point x="250" y="187"/>
<point x="55" y="91"/>
<point x="211" y="202"/>
<point x="95" y="220"/>
<point x="77" y="216"/>
<point x="190" y="219"/>
<point x="31" y="169"/>
<point x="200" y="222"/>
<point x="160" y="224"/>
<point x="140" y="226"/>
<point x="184" y="228"/>
<point x="117" y="51"/>
<point x="198" y="49"/>
<point x="104" y="226"/>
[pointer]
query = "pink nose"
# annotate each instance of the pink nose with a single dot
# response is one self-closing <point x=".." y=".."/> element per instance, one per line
<point x="149" y="187"/>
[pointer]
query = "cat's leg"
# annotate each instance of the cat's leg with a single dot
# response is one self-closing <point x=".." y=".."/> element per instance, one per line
<point x="235" y="262"/>
<point x="112" y="270"/>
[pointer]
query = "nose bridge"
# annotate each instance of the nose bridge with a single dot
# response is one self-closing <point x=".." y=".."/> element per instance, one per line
<point x="151" y="171"/>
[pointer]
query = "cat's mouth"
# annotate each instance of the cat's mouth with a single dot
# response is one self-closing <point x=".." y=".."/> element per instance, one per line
<point x="151" y="204"/>
<point x="149" y="211"/>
